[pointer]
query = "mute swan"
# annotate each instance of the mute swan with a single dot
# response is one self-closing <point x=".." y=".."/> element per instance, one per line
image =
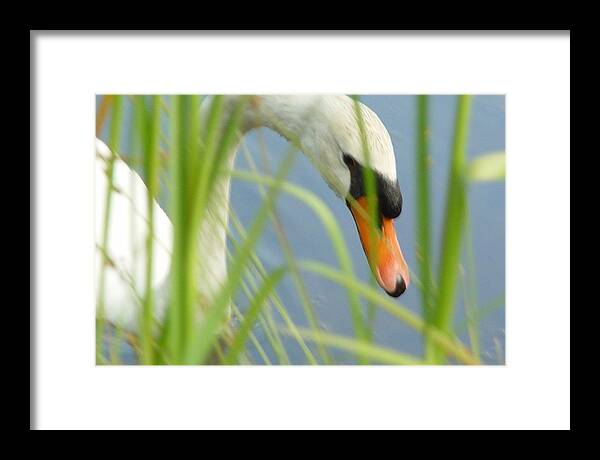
<point x="327" y="129"/>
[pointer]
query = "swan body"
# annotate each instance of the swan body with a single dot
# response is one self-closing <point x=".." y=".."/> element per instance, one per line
<point x="327" y="129"/>
<point x="125" y="275"/>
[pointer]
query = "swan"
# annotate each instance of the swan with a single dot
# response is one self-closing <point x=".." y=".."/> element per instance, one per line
<point x="328" y="133"/>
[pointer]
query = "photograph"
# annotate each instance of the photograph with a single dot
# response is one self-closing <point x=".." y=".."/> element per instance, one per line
<point x="300" y="229"/>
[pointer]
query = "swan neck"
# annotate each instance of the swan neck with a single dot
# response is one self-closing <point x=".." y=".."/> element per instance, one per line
<point x="279" y="113"/>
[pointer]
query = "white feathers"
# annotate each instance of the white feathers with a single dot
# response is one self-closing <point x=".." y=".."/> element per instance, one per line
<point x="327" y="127"/>
<point x="125" y="276"/>
<point x="379" y="143"/>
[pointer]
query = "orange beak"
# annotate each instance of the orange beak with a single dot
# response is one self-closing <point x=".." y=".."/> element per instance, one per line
<point x="384" y="254"/>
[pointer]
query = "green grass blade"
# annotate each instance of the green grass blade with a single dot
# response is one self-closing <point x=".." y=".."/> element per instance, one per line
<point x="374" y="353"/>
<point x="184" y="145"/>
<point x="150" y="125"/>
<point x="423" y="222"/>
<point x="114" y="142"/>
<point x="179" y="275"/>
<point x="454" y="221"/>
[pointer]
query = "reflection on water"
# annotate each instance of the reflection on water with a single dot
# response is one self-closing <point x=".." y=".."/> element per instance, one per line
<point x="308" y="241"/>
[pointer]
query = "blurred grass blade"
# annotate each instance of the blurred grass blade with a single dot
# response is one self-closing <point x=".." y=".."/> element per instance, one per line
<point x="423" y="223"/>
<point x="368" y="350"/>
<point x="150" y="131"/>
<point x="488" y="167"/>
<point x="182" y="268"/>
<point x="454" y="221"/>
<point x="113" y="144"/>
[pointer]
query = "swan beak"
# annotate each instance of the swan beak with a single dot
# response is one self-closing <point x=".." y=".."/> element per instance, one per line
<point x="384" y="254"/>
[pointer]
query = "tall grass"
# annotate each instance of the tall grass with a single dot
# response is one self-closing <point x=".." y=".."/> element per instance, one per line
<point x="423" y="214"/>
<point x="114" y="137"/>
<point x="454" y="220"/>
<point x="196" y="333"/>
<point x="148" y="122"/>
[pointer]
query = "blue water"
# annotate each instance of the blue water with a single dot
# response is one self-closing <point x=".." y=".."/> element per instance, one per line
<point x="309" y="241"/>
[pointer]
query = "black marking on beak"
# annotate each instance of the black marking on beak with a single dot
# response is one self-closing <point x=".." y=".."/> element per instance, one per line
<point x="389" y="196"/>
<point x="400" y="287"/>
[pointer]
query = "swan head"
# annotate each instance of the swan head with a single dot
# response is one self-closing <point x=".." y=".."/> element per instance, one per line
<point x="330" y="134"/>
